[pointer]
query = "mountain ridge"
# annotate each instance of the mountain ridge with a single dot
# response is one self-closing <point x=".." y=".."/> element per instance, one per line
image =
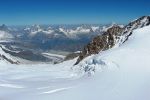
<point x="114" y="36"/>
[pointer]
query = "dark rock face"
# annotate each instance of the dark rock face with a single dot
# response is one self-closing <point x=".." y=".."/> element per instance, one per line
<point x="4" y="57"/>
<point x="101" y="43"/>
<point x="9" y="60"/>
<point x="114" y="35"/>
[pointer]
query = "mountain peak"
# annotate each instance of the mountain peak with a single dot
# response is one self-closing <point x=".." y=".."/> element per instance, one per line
<point x="113" y="36"/>
<point x="3" y="27"/>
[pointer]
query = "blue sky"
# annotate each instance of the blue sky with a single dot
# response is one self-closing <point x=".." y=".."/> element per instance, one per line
<point x="22" y="12"/>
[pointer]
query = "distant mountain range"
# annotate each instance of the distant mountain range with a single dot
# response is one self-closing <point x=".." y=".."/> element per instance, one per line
<point x="29" y="42"/>
<point x="33" y="43"/>
<point x="68" y="38"/>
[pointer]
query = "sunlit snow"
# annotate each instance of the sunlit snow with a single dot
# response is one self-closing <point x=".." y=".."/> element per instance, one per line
<point x="121" y="73"/>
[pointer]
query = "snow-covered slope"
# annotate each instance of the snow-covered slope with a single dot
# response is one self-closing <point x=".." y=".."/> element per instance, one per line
<point x="130" y="80"/>
<point x="120" y="74"/>
<point x="137" y="46"/>
<point x="5" y="35"/>
<point x="7" y="58"/>
<point x="114" y="36"/>
<point x="138" y="23"/>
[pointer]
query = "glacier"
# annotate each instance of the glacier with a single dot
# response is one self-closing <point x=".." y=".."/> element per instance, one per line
<point x="121" y="73"/>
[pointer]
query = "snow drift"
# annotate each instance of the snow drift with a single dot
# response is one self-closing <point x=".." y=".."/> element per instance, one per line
<point x="119" y="74"/>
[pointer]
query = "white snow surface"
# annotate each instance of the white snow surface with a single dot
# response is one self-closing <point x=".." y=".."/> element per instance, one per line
<point x="5" y="35"/>
<point x="55" y="55"/>
<point x="121" y="73"/>
<point x="72" y="33"/>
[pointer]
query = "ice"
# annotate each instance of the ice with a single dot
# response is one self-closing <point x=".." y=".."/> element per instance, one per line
<point x="56" y="90"/>
<point x="120" y="74"/>
<point x="10" y="86"/>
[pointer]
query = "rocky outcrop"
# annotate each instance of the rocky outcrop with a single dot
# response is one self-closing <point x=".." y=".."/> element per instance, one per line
<point x="3" y="57"/>
<point x="6" y="57"/>
<point x="101" y="43"/>
<point x="127" y="32"/>
<point x="114" y="35"/>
